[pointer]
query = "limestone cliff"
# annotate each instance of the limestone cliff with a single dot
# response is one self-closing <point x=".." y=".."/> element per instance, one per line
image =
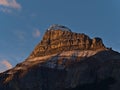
<point x="59" y="38"/>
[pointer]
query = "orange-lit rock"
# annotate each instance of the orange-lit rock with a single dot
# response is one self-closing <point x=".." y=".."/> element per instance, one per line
<point x="60" y="40"/>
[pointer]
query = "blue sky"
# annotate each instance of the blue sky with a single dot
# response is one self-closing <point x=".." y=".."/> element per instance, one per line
<point x="23" y="23"/>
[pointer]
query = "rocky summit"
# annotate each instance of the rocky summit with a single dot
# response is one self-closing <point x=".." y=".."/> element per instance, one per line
<point x="65" y="60"/>
<point x="59" y="38"/>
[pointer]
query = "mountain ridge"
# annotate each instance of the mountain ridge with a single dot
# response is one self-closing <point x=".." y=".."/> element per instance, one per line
<point x="80" y="64"/>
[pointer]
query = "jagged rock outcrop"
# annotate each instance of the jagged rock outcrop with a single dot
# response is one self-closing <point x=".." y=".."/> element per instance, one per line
<point x="59" y="38"/>
<point x="65" y="60"/>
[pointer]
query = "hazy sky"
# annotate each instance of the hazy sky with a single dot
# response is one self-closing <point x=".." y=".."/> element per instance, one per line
<point x="23" y="23"/>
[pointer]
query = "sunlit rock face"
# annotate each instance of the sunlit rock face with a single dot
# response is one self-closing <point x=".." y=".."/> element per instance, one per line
<point x="59" y="38"/>
<point x="65" y="60"/>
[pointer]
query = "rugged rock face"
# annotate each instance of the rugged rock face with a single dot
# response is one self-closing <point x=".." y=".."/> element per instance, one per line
<point x="65" y="60"/>
<point x="59" y="38"/>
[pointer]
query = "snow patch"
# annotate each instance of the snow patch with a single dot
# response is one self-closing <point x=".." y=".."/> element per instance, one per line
<point x="67" y="54"/>
<point x="59" y="27"/>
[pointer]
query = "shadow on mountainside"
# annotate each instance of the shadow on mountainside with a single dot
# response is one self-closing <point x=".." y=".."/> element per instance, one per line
<point x="102" y="85"/>
<point x="96" y="72"/>
<point x="97" y="64"/>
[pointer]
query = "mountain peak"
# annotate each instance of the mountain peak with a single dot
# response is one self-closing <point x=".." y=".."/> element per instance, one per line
<point x="59" y="38"/>
<point x="65" y="60"/>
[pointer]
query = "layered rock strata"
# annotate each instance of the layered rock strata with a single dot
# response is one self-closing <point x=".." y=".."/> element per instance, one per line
<point x="56" y="40"/>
